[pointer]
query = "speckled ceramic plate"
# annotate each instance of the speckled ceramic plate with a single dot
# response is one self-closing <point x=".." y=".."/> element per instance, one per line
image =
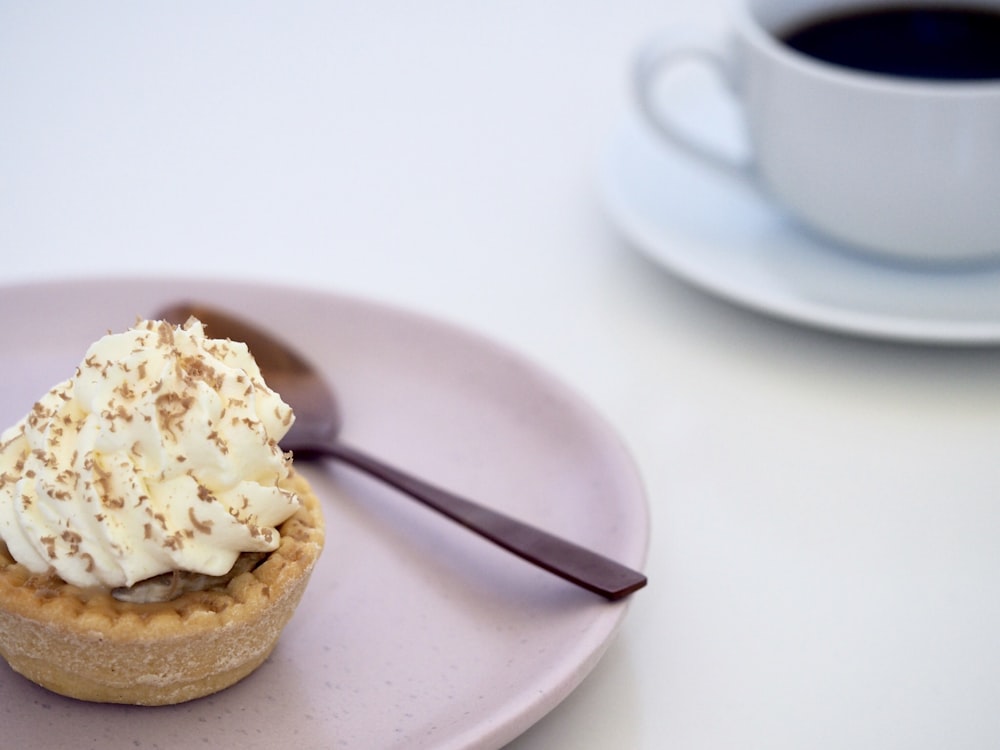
<point x="413" y="632"/>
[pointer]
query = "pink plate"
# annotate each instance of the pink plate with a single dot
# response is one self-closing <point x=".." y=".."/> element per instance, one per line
<point x="413" y="633"/>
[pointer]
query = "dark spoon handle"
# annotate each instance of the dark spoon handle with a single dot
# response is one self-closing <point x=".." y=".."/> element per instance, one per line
<point x="581" y="566"/>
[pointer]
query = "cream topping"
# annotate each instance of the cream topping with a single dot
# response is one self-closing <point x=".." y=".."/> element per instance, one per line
<point x="160" y="454"/>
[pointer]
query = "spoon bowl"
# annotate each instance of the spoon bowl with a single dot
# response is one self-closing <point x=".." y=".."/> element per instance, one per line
<point x="316" y="434"/>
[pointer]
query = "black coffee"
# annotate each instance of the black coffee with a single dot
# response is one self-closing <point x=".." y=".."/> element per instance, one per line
<point x="915" y="42"/>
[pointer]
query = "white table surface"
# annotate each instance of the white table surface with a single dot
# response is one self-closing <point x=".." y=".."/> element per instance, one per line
<point x="825" y="509"/>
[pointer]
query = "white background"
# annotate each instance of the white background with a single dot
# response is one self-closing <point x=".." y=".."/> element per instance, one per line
<point x="823" y="558"/>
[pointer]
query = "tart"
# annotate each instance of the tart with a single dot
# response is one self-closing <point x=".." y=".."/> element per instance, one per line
<point x="85" y="643"/>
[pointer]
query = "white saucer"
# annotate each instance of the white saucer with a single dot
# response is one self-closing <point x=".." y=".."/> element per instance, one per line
<point x="722" y="237"/>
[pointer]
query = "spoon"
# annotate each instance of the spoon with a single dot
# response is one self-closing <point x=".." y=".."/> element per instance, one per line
<point x="315" y="434"/>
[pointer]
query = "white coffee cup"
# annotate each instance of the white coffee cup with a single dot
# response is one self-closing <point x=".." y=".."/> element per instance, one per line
<point x="904" y="167"/>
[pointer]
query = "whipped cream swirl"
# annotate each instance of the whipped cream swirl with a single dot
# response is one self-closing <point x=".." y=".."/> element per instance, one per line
<point x="160" y="454"/>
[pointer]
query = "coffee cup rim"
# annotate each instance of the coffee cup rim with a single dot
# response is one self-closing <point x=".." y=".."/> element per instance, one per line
<point x="754" y="31"/>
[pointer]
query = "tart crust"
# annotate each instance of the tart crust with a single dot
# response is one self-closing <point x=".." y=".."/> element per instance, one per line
<point x="88" y="645"/>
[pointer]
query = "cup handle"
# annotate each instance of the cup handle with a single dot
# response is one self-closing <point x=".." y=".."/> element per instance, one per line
<point x="656" y="60"/>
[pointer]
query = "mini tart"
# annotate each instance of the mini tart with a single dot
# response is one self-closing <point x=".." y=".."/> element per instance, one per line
<point x="85" y="644"/>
